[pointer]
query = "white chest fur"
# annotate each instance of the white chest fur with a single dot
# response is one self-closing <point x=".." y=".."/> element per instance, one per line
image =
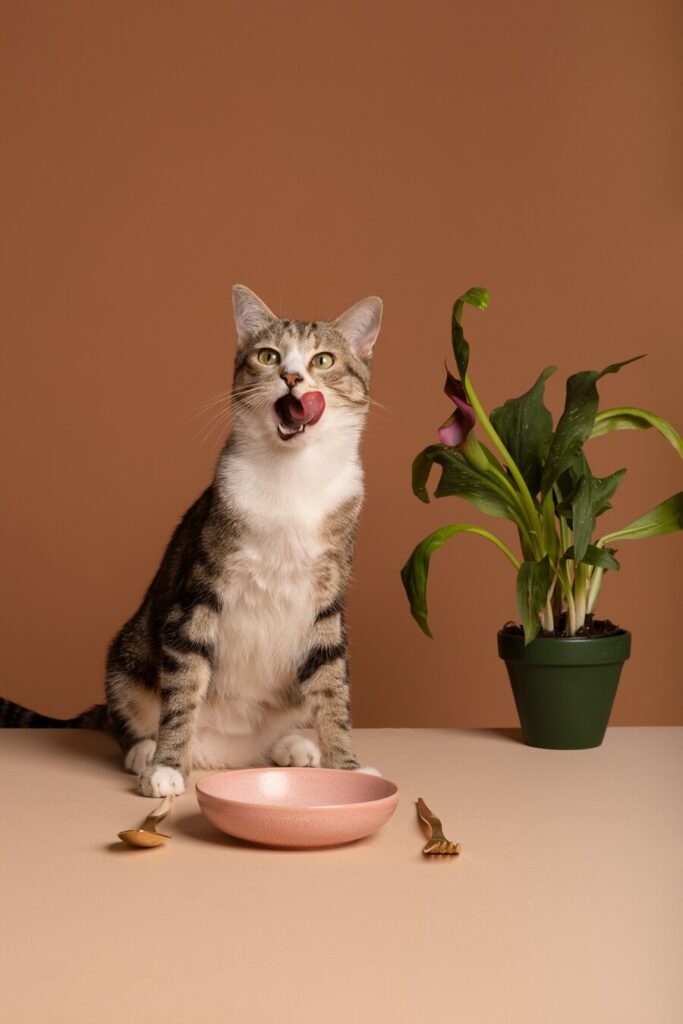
<point x="268" y="589"/>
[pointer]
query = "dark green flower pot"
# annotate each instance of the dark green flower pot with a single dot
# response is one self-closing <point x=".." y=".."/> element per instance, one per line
<point x="564" y="687"/>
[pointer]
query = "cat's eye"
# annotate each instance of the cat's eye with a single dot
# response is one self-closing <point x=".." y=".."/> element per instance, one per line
<point x="322" y="360"/>
<point x="268" y="356"/>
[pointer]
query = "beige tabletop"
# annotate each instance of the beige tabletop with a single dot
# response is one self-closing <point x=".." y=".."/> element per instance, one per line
<point x="564" y="906"/>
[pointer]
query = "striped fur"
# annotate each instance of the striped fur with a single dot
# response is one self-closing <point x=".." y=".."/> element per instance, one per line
<point x="241" y="639"/>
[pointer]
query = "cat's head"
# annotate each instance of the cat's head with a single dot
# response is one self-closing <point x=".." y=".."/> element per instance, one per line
<point x="301" y="383"/>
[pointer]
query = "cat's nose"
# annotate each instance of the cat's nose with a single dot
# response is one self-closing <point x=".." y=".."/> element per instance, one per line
<point x="291" y="379"/>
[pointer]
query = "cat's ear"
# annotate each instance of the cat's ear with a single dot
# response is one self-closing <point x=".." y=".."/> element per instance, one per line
<point x="360" y="325"/>
<point x="251" y="314"/>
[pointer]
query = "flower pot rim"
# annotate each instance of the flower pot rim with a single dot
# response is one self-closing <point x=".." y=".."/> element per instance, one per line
<point x="618" y="633"/>
<point x="565" y="650"/>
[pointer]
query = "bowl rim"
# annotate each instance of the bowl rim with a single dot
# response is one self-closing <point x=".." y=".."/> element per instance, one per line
<point x="293" y="807"/>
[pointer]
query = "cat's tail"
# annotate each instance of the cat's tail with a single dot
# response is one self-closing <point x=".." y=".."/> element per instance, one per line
<point x="14" y="716"/>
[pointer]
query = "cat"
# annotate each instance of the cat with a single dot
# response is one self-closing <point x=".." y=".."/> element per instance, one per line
<point x="241" y="639"/>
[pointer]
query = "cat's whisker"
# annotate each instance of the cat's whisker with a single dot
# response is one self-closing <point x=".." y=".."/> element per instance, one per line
<point x="378" y="405"/>
<point x="205" y="437"/>
<point x="218" y="421"/>
<point x="222" y="418"/>
<point x="260" y="386"/>
<point x="222" y="396"/>
<point x="204" y="412"/>
<point x="225" y="396"/>
<point x="223" y="401"/>
<point x="254" y="396"/>
<point x="246" y="393"/>
<point x="210" y="403"/>
<point x="253" y="406"/>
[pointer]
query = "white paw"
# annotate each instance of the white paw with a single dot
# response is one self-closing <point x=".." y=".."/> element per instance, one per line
<point x="160" y="781"/>
<point x="369" y="771"/>
<point x="139" y="756"/>
<point x="295" y="752"/>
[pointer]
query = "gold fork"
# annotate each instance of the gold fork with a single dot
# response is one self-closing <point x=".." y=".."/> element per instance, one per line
<point x="438" y="842"/>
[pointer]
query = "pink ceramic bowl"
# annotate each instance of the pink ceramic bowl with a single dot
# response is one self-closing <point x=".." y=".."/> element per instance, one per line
<point x="297" y="807"/>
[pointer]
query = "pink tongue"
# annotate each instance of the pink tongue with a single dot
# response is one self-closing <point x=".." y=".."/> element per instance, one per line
<point x="307" y="409"/>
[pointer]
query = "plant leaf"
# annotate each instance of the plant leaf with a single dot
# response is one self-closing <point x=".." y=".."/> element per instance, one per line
<point x="583" y="497"/>
<point x="422" y="467"/>
<point x="533" y="584"/>
<point x="602" y="558"/>
<point x="576" y="422"/>
<point x="602" y="487"/>
<point x="478" y="297"/>
<point x="631" y="418"/>
<point x="525" y="427"/>
<point x="590" y="500"/>
<point x="460" y="479"/>
<point x="667" y="517"/>
<point x="583" y="520"/>
<point x="416" y="570"/>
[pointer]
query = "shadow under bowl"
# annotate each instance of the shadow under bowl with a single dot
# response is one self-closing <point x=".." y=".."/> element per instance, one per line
<point x="297" y="807"/>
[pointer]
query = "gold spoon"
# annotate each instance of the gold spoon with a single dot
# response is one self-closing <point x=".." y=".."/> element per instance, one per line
<point x="147" y="835"/>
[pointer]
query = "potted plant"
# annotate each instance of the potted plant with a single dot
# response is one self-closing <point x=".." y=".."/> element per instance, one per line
<point x="563" y="663"/>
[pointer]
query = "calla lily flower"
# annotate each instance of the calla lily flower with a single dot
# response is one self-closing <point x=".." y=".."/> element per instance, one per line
<point x="456" y="428"/>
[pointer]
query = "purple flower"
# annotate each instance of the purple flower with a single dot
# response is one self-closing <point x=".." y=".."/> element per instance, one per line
<point x="456" y="428"/>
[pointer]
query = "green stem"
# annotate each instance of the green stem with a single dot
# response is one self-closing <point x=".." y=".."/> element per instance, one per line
<point x="525" y="544"/>
<point x="610" y="419"/>
<point x="525" y="495"/>
<point x="557" y="601"/>
<point x="481" y="532"/>
<point x="506" y="490"/>
<point x="566" y="584"/>
<point x="594" y="589"/>
<point x="416" y="570"/>
<point x="596" y="580"/>
<point x="580" y="595"/>
<point x="550" y="531"/>
<point x="547" y="619"/>
<point x="571" y="612"/>
<point x="571" y="574"/>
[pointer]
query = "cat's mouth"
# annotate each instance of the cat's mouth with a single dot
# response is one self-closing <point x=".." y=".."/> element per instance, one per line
<point x="295" y="414"/>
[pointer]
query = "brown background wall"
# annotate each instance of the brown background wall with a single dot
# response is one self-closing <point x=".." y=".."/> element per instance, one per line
<point x="155" y="153"/>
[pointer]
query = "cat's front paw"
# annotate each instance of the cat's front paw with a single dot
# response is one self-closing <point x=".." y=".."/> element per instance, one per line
<point x="160" y="780"/>
<point x="295" y="752"/>
<point x="139" y="756"/>
<point x="369" y="771"/>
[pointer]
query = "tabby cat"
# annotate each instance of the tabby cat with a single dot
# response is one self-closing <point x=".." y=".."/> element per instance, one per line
<point x="240" y="639"/>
